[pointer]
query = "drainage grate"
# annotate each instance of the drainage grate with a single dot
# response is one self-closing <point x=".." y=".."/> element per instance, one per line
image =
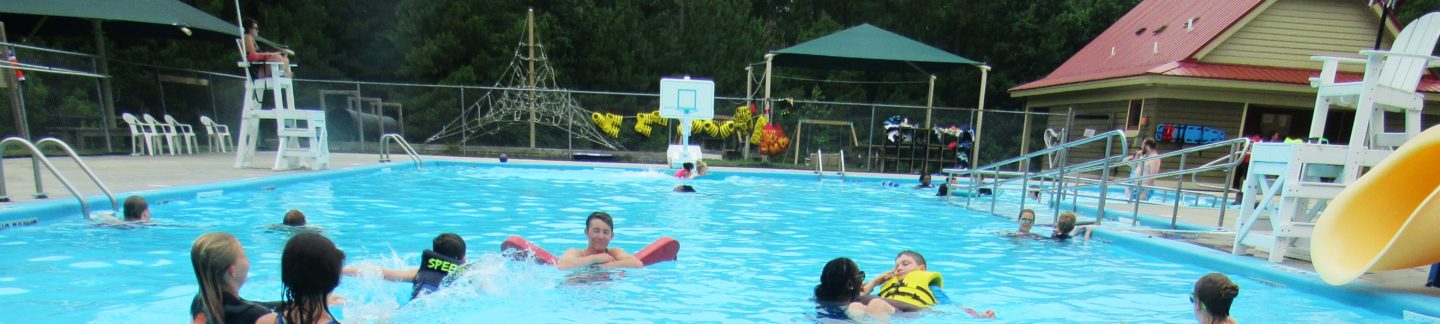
<point x="18" y="223"/>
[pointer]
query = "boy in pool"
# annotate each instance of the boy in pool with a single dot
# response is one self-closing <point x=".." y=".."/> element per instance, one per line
<point x="294" y="218"/>
<point x="911" y="287"/>
<point x="137" y="210"/>
<point x="445" y="258"/>
<point x="599" y="230"/>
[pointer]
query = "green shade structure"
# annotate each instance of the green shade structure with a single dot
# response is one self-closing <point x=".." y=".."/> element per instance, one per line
<point x="869" y="48"/>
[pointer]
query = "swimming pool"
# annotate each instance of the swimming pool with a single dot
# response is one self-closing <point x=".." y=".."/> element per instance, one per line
<point x="752" y="247"/>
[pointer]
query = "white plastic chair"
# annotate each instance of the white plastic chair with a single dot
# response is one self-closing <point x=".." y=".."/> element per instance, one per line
<point x="186" y="132"/>
<point x="216" y="133"/>
<point x="140" y="132"/>
<point x="163" y="130"/>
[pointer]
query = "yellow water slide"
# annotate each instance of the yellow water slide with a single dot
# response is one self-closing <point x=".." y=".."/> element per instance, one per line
<point x="1388" y="219"/>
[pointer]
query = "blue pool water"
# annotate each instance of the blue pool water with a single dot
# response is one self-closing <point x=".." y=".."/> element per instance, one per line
<point x="752" y="248"/>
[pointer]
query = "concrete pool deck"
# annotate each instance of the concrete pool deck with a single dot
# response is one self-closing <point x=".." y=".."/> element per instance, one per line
<point x="124" y="173"/>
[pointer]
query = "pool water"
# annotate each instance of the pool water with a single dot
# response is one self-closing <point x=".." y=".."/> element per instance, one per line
<point x="752" y="248"/>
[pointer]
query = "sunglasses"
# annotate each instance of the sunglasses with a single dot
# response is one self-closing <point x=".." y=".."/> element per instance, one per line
<point x="1027" y="220"/>
<point x="860" y="275"/>
<point x="1192" y="301"/>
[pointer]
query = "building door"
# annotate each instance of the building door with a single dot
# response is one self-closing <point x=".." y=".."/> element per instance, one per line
<point x="1295" y="123"/>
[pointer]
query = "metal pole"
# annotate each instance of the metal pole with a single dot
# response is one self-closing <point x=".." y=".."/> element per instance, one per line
<point x="530" y="23"/>
<point x="22" y="124"/>
<point x="1229" y="178"/>
<point x="750" y="102"/>
<point x="359" y="124"/>
<point x="870" y="147"/>
<point x="161" y="86"/>
<point x="105" y="119"/>
<point x="1104" y="181"/>
<point x="464" y="125"/>
<point x="1064" y="157"/>
<point x="1179" y="180"/>
<point x="107" y="90"/>
<point x="1025" y="138"/>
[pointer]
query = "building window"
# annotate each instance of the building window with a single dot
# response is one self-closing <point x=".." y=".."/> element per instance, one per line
<point x="1132" y="119"/>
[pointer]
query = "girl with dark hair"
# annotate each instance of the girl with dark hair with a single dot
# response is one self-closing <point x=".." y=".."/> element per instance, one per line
<point x="1212" y="297"/>
<point x="839" y="293"/>
<point x="310" y="269"/>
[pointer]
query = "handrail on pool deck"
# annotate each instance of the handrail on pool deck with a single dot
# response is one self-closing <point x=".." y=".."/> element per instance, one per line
<point x="385" y="148"/>
<point x="36" y="155"/>
<point x="1065" y="173"/>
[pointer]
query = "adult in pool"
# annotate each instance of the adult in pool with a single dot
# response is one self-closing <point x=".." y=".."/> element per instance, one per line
<point x="911" y="287"/>
<point x="599" y="230"/>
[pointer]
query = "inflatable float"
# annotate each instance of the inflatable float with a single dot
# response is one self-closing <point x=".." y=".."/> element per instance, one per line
<point x="1387" y="219"/>
<point x="663" y="249"/>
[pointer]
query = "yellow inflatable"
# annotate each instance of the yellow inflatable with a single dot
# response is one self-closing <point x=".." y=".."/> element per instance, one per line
<point x="608" y="123"/>
<point x="759" y="127"/>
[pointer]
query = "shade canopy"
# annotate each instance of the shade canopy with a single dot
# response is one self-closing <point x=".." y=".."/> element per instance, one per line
<point x="869" y="48"/>
<point x="128" y="18"/>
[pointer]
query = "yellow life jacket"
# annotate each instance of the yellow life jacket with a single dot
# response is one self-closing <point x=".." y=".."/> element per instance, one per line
<point x="913" y="289"/>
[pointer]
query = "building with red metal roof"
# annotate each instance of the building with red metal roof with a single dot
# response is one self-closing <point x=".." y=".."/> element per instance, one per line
<point x="1239" y="66"/>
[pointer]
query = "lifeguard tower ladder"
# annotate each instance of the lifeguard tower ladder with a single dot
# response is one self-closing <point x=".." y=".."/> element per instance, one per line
<point x="301" y="135"/>
<point x="686" y="100"/>
<point x="1303" y="177"/>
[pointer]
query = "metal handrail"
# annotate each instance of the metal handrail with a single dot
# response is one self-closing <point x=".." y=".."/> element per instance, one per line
<point x="1238" y="155"/>
<point x="385" y="148"/>
<point x="36" y="155"/>
<point x="114" y="204"/>
<point x="1103" y="163"/>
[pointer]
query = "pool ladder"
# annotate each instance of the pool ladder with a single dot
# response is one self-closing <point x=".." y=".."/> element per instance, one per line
<point x="40" y="159"/>
<point x="385" y="148"/>
<point x="820" y="165"/>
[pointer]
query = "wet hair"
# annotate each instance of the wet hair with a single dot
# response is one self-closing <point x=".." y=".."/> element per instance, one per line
<point x="294" y="218"/>
<point x="839" y="282"/>
<point x="211" y="255"/>
<point x="919" y="259"/>
<point x="135" y="206"/>
<point x="1215" y="293"/>
<point x="450" y="245"/>
<point x="944" y="190"/>
<point x="924" y="176"/>
<point x="310" y="269"/>
<point x="1065" y="223"/>
<point x="602" y="216"/>
<point x="688" y="166"/>
<point x="1023" y="211"/>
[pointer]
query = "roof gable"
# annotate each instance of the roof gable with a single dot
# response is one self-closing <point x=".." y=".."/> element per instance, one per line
<point x="1152" y="34"/>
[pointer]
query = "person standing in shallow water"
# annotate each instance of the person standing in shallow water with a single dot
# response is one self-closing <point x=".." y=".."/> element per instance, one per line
<point x="599" y="230"/>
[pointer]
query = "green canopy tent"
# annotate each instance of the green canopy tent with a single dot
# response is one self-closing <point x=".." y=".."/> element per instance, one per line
<point x="869" y="48"/>
<point x="129" y="18"/>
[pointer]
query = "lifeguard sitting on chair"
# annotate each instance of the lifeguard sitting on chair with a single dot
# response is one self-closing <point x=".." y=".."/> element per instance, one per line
<point x="253" y="53"/>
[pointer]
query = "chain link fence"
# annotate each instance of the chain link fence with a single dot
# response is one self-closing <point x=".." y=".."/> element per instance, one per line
<point x="488" y="120"/>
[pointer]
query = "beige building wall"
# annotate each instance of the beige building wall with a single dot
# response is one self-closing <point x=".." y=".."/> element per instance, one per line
<point x="1290" y="31"/>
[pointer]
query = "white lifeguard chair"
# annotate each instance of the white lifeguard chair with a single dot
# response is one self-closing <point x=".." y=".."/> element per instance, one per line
<point x="686" y="100"/>
<point x="1306" y="176"/>
<point x="301" y="134"/>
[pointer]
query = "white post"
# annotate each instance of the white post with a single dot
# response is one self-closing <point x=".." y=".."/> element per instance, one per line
<point x="980" y="118"/>
<point x="930" y="102"/>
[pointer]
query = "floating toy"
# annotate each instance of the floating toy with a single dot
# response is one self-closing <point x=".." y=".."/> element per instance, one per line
<point x="663" y="249"/>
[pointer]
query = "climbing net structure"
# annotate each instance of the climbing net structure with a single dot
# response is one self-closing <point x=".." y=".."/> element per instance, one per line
<point x="510" y="104"/>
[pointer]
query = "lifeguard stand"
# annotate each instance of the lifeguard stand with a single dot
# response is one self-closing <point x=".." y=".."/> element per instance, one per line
<point x="1306" y="176"/>
<point x="686" y="100"/>
<point x="301" y="135"/>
